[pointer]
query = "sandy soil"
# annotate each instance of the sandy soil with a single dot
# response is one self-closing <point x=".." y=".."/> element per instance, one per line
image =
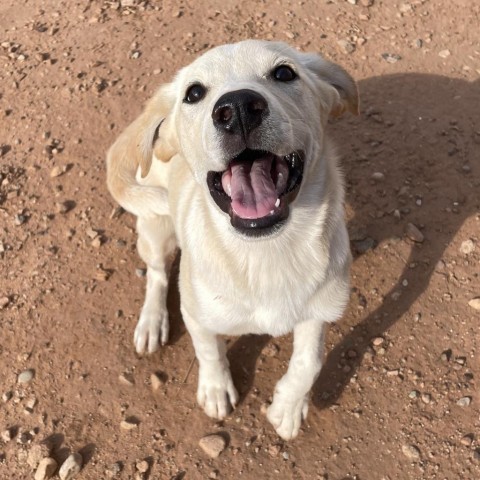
<point x="398" y="396"/>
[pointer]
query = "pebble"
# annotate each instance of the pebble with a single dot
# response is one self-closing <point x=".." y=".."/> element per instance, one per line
<point x="444" y="53"/>
<point x="26" y="376"/>
<point x="475" y="303"/>
<point x="411" y="451"/>
<point x="213" y="445"/>
<point x="114" y="470"/>
<point x="377" y="341"/>
<point x="346" y="46"/>
<point x="157" y="380"/>
<point x="363" y="246"/>
<point x="140" y="272"/>
<point x="274" y="450"/>
<point x="366" y="3"/>
<point x="467" y="247"/>
<point x="413" y="233"/>
<point x="6" y="435"/>
<point x="7" y="396"/>
<point x="413" y="394"/>
<point x="71" y="467"/>
<point x="464" y="401"/>
<point x="37" y="453"/>
<point x="271" y="350"/>
<point x="378" y="176"/>
<point x="391" y="57"/>
<point x="4" y="301"/>
<point x="426" y="398"/>
<point x="467" y="440"/>
<point x="46" y="469"/>
<point x="63" y="207"/>
<point x="128" y="424"/>
<point x="57" y="171"/>
<point x="142" y="466"/>
<point x="126" y="379"/>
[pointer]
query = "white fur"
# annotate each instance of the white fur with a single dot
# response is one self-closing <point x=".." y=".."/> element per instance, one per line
<point x="294" y="280"/>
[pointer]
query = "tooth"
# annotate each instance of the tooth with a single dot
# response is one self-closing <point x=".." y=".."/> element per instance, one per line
<point x="277" y="203"/>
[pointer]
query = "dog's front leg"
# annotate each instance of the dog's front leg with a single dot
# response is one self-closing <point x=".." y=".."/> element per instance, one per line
<point x="290" y="400"/>
<point x="216" y="393"/>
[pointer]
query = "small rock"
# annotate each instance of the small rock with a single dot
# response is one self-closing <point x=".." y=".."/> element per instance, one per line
<point x="446" y="355"/>
<point x="467" y="247"/>
<point x="140" y="272"/>
<point x="6" y="435"/>
<point x="413" y="394"/>
<point x="377" y="341"/>
<point x="271" y="350"/>
<point x="7" y="396"/>
<point x="464" y="401"/>
<point x="444" y="53"/>
<point x="476" y="454"/>
<point x="26" y="376"/>
<point x="475" y="303"/>
<point x="274" y="450"/>
<point x="405" y="8"/>
<point x="264" y="408"/>
<point x="36" y="454"/>
<point x="142" y="466"/>
<point x="413" y="233"/>
<point x="63" y="207"/>
<point x="129" y="424"/>
<point x="426" y="398"/>
<point x="97" y="242"/>
<point x="411" y="451"/>
<point x="378" y="176"/>
<point x="213" y="445"/>
<point x="114" y="470"/>
<point x="4" y="301"/>
<point x="363" y="246"/>
<point x="71" y="467"/>
<point x="57" y="170"/>
<point x="467" y="440"/>
<point x="391" y="57"/>
<point x="366" y="3"/>
<point x="46" y="469"/>
<point x="346" y="46"/>
<point x="157" y="380"/>
<point x="126" y="379"/>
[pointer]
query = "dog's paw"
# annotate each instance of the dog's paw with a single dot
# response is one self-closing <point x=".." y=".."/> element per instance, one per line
<point x="152" y="328"/>
<point x="286" y="414"/>
<point x="216" y="393"/>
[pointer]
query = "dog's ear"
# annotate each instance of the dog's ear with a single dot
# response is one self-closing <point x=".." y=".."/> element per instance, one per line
<point x="155" y="131"/>
<point x="347" y="92"/>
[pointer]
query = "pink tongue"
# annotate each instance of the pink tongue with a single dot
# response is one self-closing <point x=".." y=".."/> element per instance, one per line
<point x="252" y="190"/>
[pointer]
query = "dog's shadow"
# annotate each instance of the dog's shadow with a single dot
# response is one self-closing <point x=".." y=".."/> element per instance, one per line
<point x="419" y="131"/>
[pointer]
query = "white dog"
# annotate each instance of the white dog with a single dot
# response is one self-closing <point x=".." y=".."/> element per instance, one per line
<point x="231" y="163"/>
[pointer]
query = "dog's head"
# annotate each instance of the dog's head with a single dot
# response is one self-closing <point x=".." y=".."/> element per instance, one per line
<point x="249" y="119"/>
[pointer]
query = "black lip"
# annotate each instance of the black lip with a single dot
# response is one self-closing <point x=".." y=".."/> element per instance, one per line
<point x="271" y="223"/>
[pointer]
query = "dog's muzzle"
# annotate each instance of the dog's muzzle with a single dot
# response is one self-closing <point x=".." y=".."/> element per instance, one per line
<point x="257" y="188"/>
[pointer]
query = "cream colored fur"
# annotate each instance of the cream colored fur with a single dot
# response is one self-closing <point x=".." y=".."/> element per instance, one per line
<point x="294" y="280"/>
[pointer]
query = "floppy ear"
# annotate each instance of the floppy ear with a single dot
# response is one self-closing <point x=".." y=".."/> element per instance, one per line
<point x="331" y="73"/>
<point x="154" y="130"/>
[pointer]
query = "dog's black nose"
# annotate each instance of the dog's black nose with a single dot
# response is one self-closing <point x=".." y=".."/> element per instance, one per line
<point x="239" y="112"/>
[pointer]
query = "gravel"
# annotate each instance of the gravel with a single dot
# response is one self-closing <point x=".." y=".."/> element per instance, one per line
<point x="26" y="376"/>
<point x="71" y="467"/>
<point x="46" y="469"/>
<point x="475" y="303"/>
<point x="411" y="451"/>
<point x="464" y="401"/>
<point x="213" y="445"/>
<point x="413" y="233"/>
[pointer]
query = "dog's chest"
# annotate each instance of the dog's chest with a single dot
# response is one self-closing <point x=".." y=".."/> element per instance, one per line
<point x="260" y="300"/>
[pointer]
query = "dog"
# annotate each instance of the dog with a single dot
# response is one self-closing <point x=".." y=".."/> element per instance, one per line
<point x="231" y="163"/>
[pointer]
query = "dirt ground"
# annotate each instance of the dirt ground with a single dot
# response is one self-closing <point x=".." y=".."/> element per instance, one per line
<point x="398" y="396"/>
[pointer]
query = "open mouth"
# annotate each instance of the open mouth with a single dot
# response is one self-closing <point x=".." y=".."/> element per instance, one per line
<point x="256" y="189"/>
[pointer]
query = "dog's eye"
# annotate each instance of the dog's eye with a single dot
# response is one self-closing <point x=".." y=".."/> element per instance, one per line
<point x="195" y="93"/>
<point x="284" y="73"/>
